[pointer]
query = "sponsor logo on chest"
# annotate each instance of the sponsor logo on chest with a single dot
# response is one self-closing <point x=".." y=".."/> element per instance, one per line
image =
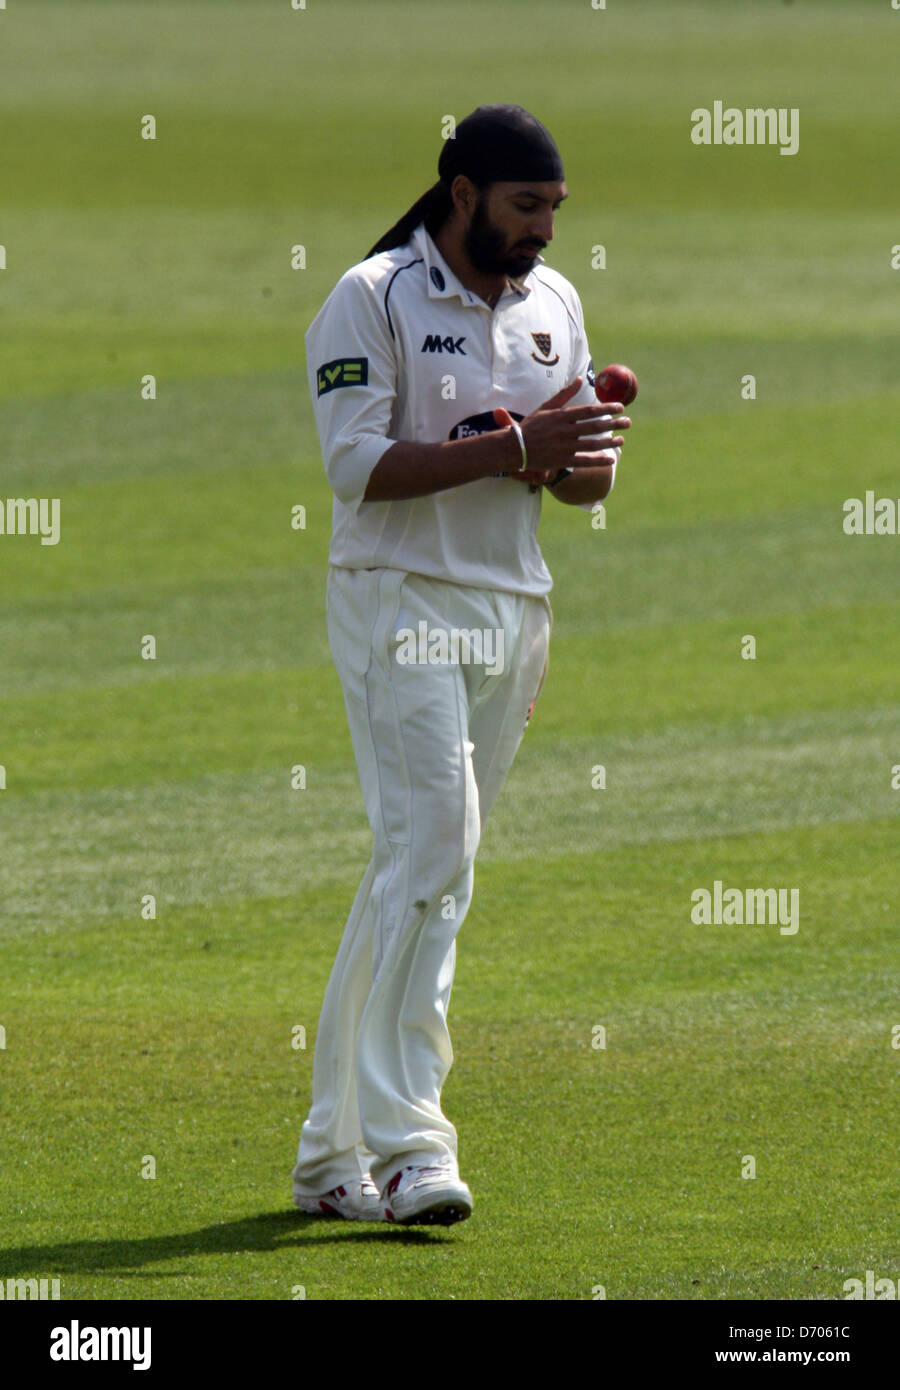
<point x="435" y="343"/>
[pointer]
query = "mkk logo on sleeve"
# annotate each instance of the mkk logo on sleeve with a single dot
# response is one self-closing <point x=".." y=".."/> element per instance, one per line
<point x="343" y="371"/>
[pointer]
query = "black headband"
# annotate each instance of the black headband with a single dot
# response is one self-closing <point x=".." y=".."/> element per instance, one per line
<point x="501" y="144"/>
<point x="495" y="144"/>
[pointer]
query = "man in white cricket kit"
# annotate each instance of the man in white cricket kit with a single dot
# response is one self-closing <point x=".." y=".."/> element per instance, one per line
<point x="452" y="383"/>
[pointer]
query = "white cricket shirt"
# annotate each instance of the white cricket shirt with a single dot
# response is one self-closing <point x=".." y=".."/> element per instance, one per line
<point x="401" y="349"/>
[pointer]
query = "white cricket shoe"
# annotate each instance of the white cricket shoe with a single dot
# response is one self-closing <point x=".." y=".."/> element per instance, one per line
<point x="432" y="1195"/>
<point x="352" y="1201"/>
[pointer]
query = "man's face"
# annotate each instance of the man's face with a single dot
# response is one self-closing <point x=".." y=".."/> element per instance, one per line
<point x="511" y="223"/>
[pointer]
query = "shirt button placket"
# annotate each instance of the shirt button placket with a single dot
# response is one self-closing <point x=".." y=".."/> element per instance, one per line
<point x="498" y="361"/>
<point x="495" y="353"/>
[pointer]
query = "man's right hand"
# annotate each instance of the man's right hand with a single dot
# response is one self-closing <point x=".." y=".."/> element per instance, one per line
<point x="560" y="436"/>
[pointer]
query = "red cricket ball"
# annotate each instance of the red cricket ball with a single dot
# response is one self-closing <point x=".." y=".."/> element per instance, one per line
<point x="616" y="383"/>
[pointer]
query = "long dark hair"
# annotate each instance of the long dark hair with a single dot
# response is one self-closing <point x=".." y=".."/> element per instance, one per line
<point x="433" y="208"/>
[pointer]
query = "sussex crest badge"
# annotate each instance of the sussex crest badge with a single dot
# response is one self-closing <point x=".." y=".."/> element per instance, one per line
<point x="544" y="346"/>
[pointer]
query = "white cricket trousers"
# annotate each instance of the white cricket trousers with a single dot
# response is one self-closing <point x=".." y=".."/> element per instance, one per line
<point x="433" y="743"/>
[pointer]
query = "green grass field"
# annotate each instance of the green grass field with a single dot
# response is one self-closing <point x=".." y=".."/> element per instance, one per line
<point x="171" y="1038"/>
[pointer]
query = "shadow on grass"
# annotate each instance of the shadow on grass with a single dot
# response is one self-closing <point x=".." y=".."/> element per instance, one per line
<point x="267" y="1231"/>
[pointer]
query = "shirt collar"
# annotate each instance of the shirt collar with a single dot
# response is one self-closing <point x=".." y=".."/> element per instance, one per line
<point x="443" y="284"/>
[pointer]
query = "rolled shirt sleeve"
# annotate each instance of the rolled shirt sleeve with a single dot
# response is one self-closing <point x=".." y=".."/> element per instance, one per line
<point x="351" y="365"/>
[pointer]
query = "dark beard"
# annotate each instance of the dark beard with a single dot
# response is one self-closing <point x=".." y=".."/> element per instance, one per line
<point x="485" y="247"/>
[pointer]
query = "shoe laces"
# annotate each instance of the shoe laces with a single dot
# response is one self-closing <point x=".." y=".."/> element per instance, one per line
<point x="437" y="1170"/>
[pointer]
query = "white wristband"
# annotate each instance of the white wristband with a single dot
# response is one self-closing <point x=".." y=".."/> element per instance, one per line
<point x="521" y="438"/>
